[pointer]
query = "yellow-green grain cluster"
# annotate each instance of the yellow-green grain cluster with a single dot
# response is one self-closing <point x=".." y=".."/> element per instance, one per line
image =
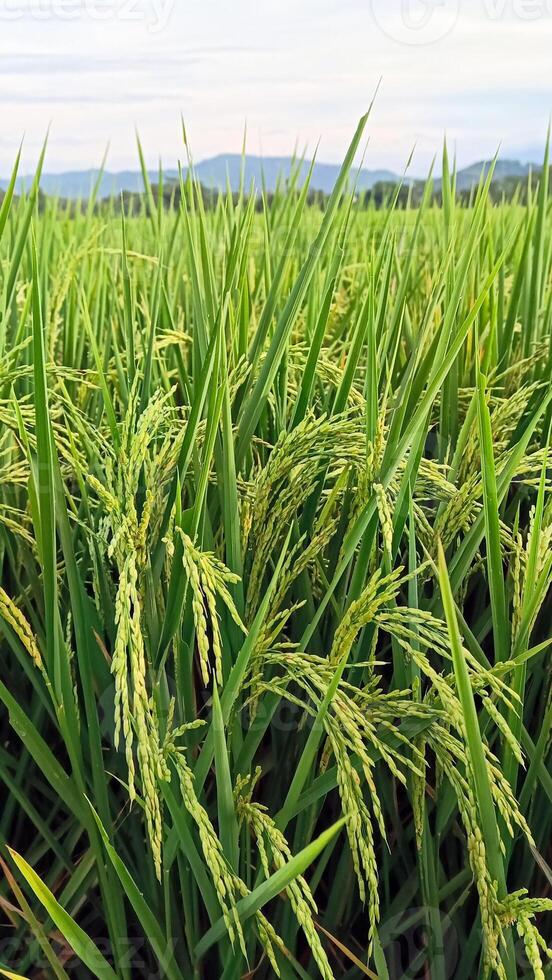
<point x="276" y="556"/>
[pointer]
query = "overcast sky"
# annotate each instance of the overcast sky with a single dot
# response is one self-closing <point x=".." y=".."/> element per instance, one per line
<point x="294" y="71"/>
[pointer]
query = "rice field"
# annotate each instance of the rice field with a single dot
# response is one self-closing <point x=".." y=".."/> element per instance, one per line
<point x="275" y="606"/>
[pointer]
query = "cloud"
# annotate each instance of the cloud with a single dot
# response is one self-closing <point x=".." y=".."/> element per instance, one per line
<point x="88" y="98"/>
<point x="296" y="72"/>
<point x="84" y="63"/>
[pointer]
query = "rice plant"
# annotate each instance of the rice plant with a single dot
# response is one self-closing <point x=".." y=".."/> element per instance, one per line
<point x="276" y="550"/>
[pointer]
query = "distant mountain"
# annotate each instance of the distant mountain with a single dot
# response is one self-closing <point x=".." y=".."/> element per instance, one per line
<point x="261" y="171"/>
<point x="266" y="171"/>
<point x="212" y="173"/>
<point x="75" y="184"/>
<point x="504" y="169"/>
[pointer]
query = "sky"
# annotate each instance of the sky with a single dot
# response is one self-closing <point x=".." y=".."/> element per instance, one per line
<point x="293" y="72"/>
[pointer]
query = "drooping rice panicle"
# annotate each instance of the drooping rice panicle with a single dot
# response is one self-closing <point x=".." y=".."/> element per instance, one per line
<point x="276" y="530"/>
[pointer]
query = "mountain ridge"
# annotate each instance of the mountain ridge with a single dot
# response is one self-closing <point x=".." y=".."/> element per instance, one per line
<point x="214" y="172"/>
